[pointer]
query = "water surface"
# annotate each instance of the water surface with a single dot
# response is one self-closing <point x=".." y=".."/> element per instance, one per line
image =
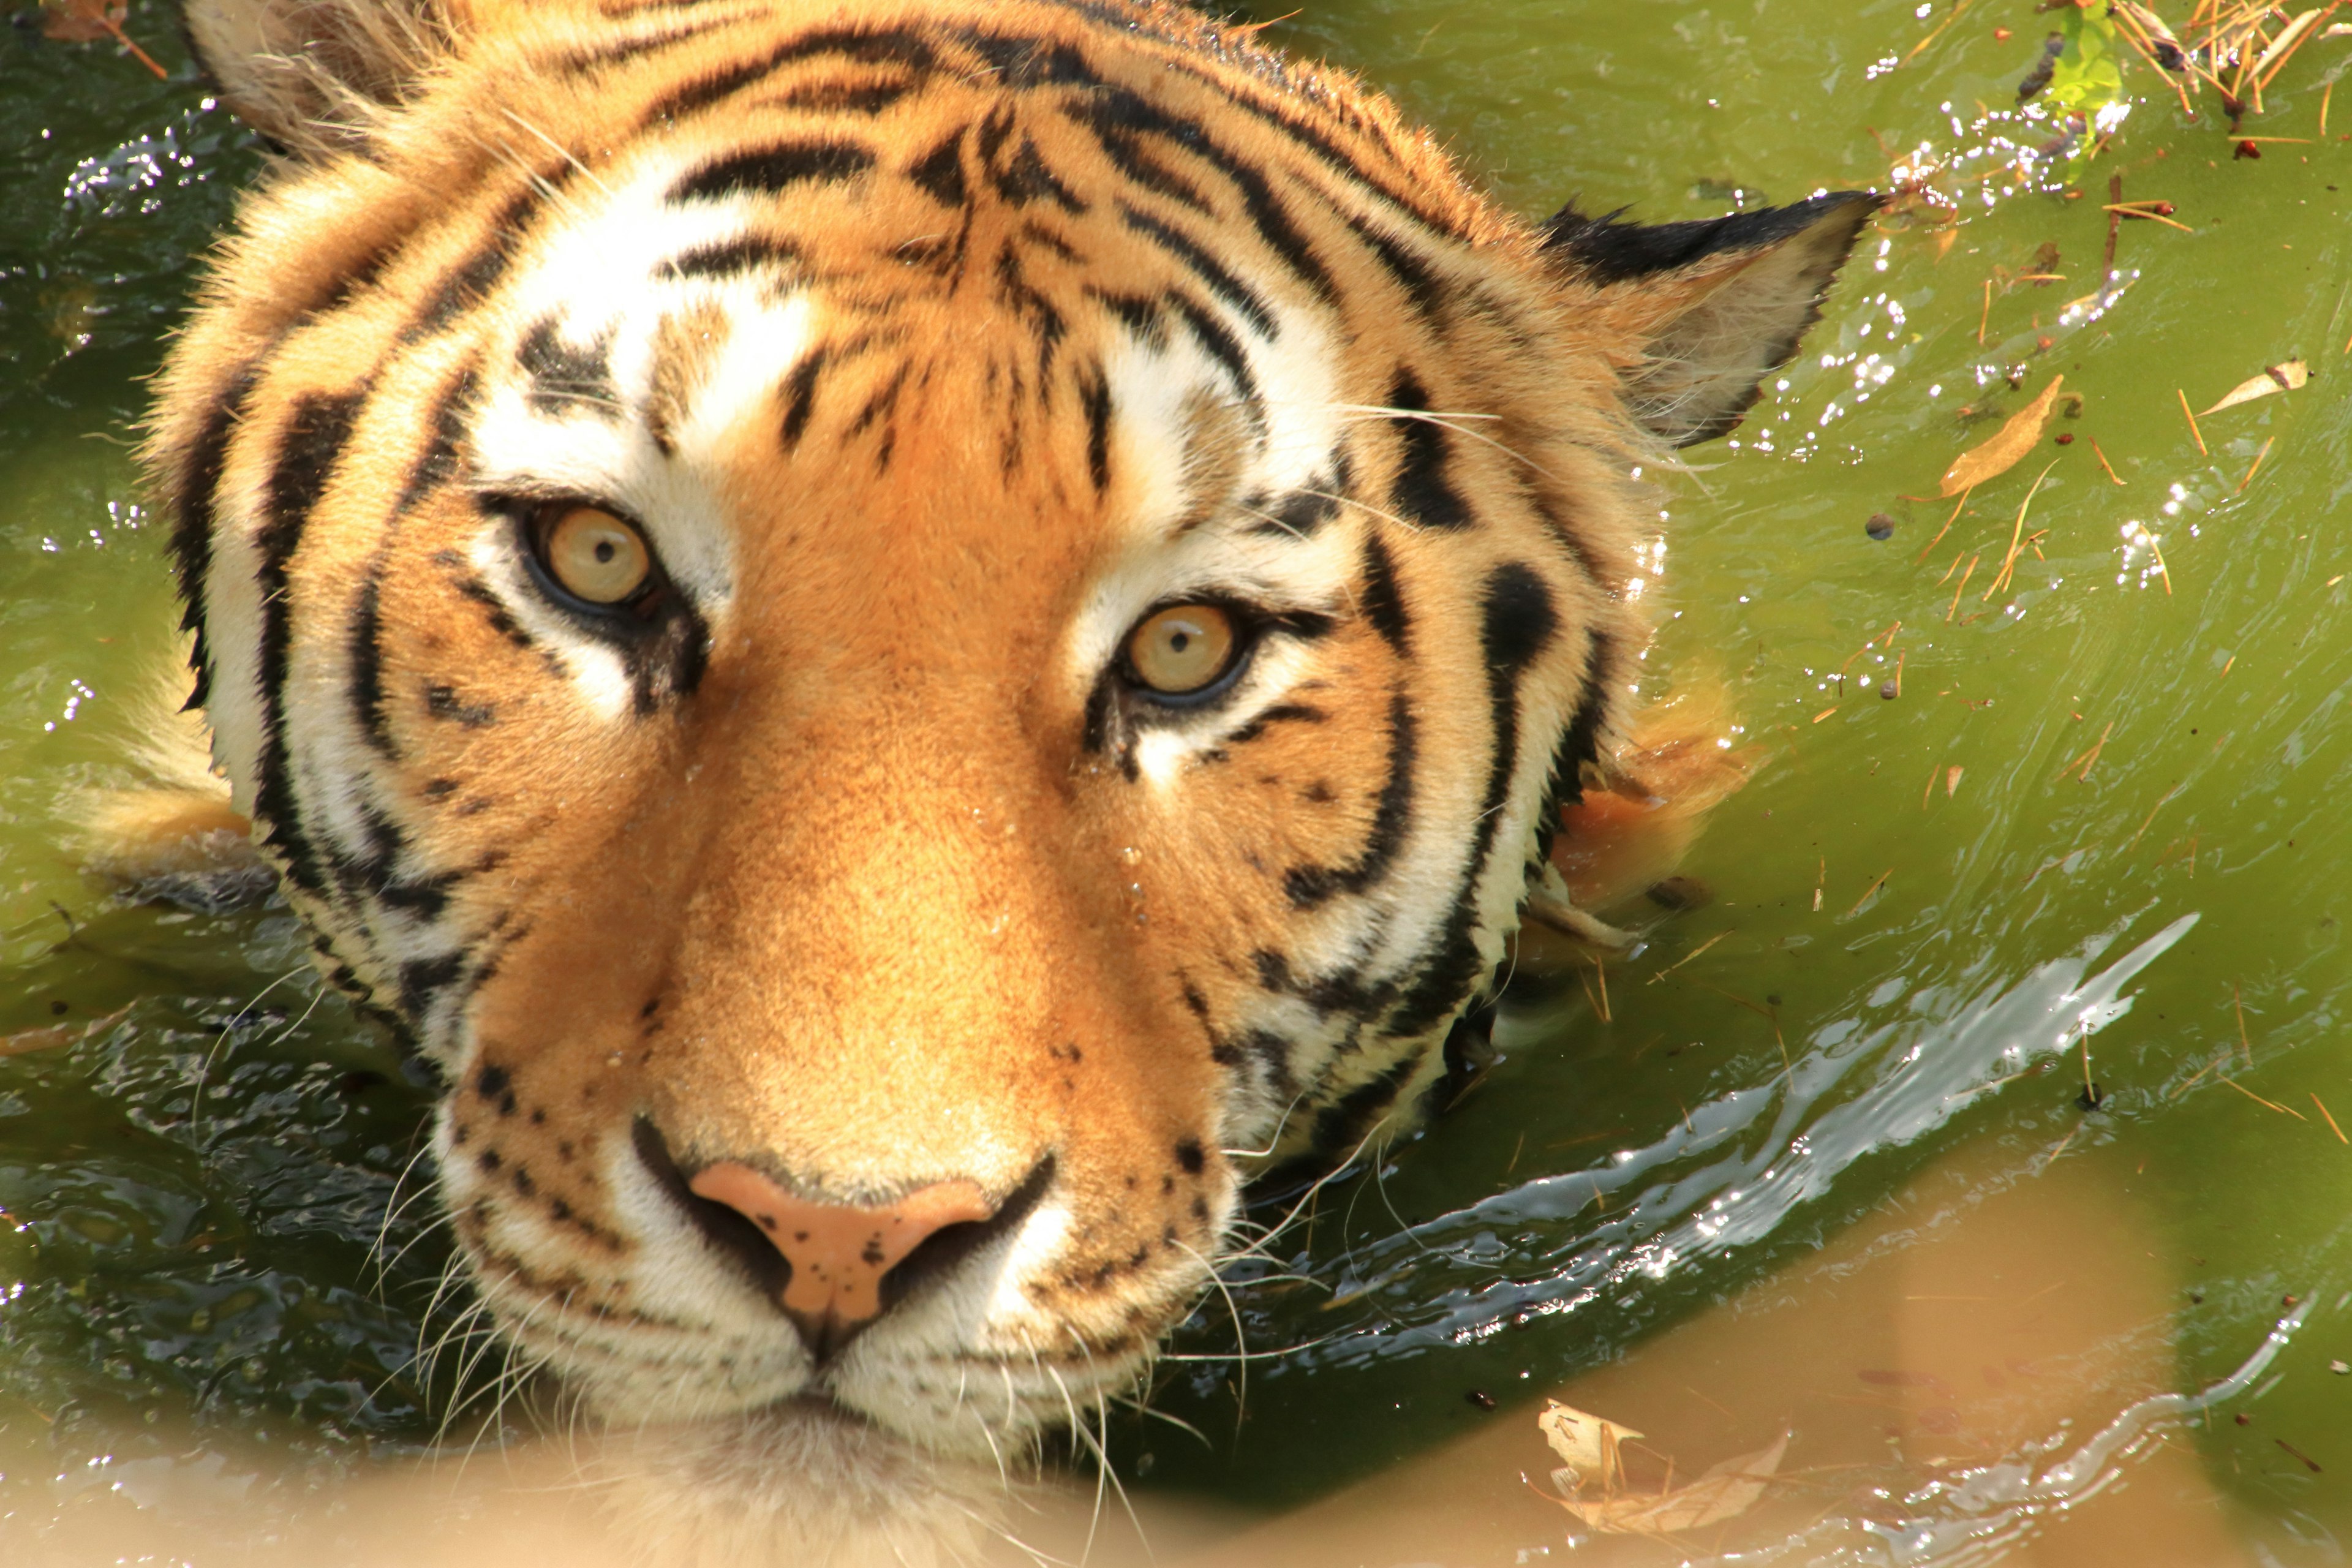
<point x="2103" y="807"/>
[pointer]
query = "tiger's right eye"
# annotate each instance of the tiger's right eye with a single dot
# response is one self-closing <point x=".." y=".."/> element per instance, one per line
<point x="596" y="555"/>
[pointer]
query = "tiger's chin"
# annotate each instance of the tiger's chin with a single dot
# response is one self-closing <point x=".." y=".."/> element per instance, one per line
<point x="803" y="1481"/>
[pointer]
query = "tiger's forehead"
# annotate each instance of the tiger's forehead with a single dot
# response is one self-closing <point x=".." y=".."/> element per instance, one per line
<point x="706" y="337"/>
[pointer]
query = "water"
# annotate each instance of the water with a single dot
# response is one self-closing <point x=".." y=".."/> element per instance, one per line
<point x="1881" y="1039"/>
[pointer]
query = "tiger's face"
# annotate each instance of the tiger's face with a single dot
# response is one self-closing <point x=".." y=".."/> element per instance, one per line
<point x="907" y="637"/>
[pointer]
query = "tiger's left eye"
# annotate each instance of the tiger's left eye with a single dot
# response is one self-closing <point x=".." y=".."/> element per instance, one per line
<point x="596" y="555"/>
<point x="1183" y="649"/>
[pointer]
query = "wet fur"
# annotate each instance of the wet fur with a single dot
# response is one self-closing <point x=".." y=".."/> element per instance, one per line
<point x="932" y="344"/>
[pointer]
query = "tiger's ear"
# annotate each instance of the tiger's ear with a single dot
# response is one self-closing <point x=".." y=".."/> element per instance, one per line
<point x="310" y="75"/>
<point x="1710" y="307"/>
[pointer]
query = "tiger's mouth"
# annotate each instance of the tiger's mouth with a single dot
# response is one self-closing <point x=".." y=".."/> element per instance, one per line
<point x="964" y="1337"/>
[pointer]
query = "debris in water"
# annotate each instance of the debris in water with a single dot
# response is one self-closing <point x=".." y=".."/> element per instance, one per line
<point x="2310" y="1462"/>
<point x="1586" y="1444"/>
<point x="24" y="1042"/>
<point x="1595" y="1474"/>
<point x="1992" y="458"/>
<point x="2185" y="414"/>
<point x="2289" y="375"/>
<point x="2038" y="77"/>
<point x="1880" y="526"/>
<point x="2103" y="461"/>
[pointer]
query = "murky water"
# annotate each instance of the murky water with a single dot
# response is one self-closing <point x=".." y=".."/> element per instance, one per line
<point x="2102" y="810"/>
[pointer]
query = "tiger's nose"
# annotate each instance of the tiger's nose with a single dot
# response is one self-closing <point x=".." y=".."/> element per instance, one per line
<point x="838" y="1253"/>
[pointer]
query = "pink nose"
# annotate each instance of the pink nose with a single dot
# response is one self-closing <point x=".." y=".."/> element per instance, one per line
<point x="838" y="1252"/>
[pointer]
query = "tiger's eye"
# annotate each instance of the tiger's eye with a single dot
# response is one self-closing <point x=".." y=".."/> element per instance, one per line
<point x="596" y="555"/>
<point x="1181" y="649"/>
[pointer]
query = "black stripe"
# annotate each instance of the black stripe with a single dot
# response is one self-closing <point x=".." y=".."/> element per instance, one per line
<point x="902" y="47"/>
<point x="1345" y="164"/>
<point x="1094" y="395"/>
<point x="800" y="396"/>
<point x="941" y="172"/>
<point x="1222" y="346"/>
<point x="772" y="170"/>
<point x="1411" y="273"/>
<point x="1344" y="1123"/>
<point x="1300" y="514"/>
<point x="1280" y="713"/>
<point x="1127" y="156"/>
<point x="565" y="379"/>
<point x="847" y="97"/>
<point x="1013" y="286"/>
<point x="1030" y="62"/>
<point x="1310" y="886"/>
<point x="1025" y="177"/>
<point x="471" y="279"/>
<point x="1341" y="992"/>
<point x="308" y="448"/>
<point x="1222" y="283"/>
<point x="434" y="467"/>
<point x="1382" y="601"/>
<point x="1580" y="744"/>
<point x="629" y="50"/>
<point x="194" y="500"/>
<point x="1422" y="492"/>
<point x="423" y="979"/>
<point x="1119" y="112"/>
<point x="731" y="257"/>
<point x="1140" y="316"/>
<point x="1518" y="621"/>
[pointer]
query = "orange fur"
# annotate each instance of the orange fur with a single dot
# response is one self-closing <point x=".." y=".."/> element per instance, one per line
<point x="878" y="874"/>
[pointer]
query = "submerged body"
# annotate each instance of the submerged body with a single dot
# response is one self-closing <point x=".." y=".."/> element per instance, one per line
<point x="905" y="638"/>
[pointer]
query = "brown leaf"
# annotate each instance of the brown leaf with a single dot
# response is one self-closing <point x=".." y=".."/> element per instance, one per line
<point x="82" y="21"/>
<point x="1994" y="458"/>
<point x="24" y="1042"/>
<point x="2285" y="377"/>
<point x="1726" y="1491"/>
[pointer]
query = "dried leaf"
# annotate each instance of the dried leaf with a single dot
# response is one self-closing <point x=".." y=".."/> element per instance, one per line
<point x="2284" y="377"/>
<point x="24" y="1042"/>
<point x="1726" y="1491"/>
<point x="1992" y="459"/>
<point x="1587" y="1444"/>
<point x="82" y="21"/>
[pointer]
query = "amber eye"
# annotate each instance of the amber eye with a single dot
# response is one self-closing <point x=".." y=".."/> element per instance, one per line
<point x="1181" y="649"/>
<point x="596" y="555"/>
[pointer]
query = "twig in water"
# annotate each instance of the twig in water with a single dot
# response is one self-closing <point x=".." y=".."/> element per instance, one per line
<point x="2103" y="461"/>
<point x="2185" y="414"/>
<point x="2258" y="1100"/>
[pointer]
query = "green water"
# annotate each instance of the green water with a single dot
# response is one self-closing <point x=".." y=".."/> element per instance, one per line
<point x="192" y="1194"/>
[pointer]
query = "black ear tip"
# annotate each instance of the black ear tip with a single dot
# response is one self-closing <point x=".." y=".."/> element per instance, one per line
<point x="1608" y="251"/>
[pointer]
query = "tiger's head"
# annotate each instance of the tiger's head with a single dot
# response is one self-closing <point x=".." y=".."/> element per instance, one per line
<point x="904" y="637"/>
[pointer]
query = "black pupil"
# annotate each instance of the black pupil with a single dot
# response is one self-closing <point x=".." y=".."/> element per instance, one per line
<point x="605" y="549"/>
<point x="1178" y="640"/>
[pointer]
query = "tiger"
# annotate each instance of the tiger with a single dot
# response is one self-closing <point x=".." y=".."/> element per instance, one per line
<point x="906" y="640"/>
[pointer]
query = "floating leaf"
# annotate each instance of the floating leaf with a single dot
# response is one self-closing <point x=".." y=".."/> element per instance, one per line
<point x="82" y="21"/>
<point x="24" y="1042"/>
<point x="1726" y="1491"/>
<point x="1996" y="456"/>
<point x="1586" y="1444"/>
<point x="2284" y="377"/>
